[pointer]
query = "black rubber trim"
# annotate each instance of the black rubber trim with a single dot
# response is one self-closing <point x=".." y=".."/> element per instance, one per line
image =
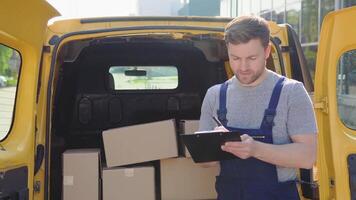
<point x="130" y="19"/>
<point x="280" y="58"/>
<point x="56" y="39"/>
<point x="351" y="164"/>
<point x="306" y="177"/>
<point x="298" y="60"/>
<point x="39" y="157"/>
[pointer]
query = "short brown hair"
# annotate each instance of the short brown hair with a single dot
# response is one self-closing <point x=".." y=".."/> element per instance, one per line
<point x="243" y="29"/>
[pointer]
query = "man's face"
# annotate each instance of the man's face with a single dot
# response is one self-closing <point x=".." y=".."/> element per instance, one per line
<point x="248" y="60"/>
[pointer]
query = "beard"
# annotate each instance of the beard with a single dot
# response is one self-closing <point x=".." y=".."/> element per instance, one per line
<point x="249" y="77"/>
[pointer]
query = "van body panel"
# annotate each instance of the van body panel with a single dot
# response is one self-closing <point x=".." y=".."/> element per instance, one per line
<point x="23" y="29"/>
<point x="336" y="141"/>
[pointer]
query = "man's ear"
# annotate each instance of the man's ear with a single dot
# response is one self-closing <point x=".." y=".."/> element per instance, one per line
<point x="268" y="50"/>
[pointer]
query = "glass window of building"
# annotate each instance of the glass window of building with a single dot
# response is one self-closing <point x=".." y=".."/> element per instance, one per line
<point x="278" y="13"/>
<point x="225" y="9"/>
<point x="245" y="7"/>
<point x="348" y="3"/>
<point x="310" y="55"/>
<point x="266" y="8"/>
<point x="325" y="7"/>
<point x="309" y="32"/>
<point x="255" y="6"/>
<point x="346" y="89"/>
<point x="293" y="14"/>
<point x="234" y="11"/>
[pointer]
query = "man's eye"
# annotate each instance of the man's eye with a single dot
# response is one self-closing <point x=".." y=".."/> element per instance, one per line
<point x="235" y="58"/>
<point x="252" y="58"/>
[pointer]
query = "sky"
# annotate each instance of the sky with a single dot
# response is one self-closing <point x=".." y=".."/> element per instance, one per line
<point x="93" y="8"/>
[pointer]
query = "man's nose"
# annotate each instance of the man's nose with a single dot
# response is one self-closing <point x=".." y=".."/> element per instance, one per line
<point x="244" y="65"/>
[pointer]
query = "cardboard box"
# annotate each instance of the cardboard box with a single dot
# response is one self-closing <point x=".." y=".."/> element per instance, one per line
<point x="140" y="143"/>
<point x="81" y="174"/>
<point x="136" y="183"/>
<point x="190" y="126"/>
<point x="181" y="178"/>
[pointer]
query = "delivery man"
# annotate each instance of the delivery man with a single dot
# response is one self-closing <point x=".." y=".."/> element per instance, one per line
<point x="274" y="113"/>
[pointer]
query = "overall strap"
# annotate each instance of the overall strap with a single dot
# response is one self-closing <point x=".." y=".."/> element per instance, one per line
<point x="222" y="111"/>
<point x="270" y="112"/>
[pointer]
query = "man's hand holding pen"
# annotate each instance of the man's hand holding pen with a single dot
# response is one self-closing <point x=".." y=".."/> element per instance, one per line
<point x="220" y="126"/>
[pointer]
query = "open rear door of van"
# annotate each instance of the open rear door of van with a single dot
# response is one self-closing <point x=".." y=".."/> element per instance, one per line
<point x="335" y="104"/>
<point x="22" y="30"/>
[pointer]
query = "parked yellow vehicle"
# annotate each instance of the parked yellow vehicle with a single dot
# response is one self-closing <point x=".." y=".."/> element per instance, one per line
<point x="78" y="77"/>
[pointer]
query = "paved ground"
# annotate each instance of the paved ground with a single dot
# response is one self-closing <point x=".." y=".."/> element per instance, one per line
<point x="7" y="97"/>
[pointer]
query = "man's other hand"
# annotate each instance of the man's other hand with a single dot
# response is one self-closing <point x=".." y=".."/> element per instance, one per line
<point x="244" y="149"/>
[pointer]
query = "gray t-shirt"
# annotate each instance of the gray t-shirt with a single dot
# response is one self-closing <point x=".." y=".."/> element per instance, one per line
<point x="246" y="106"/>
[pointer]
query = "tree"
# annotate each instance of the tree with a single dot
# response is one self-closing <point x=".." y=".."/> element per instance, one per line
<point x="5" y="55"/>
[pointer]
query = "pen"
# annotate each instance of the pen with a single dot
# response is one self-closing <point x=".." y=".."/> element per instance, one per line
<point x="253" y="136"/>
<point x="218" y="122"/>
<point x="258" y="136"/>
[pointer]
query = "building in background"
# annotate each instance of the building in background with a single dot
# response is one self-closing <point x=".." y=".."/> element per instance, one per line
<point x="102" y="8"/>
<point x="200" y="8"/>
<point x="158" y="7"/>
<point x="305" y="16"/>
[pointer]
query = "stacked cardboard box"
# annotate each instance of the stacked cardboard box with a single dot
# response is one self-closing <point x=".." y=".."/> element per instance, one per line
<point x="135" y="183"/>
<point x="140" y="143"/>
<point x="181" y="178"/>
<point x="132" y="145"/>
<point x="81" y="174"/>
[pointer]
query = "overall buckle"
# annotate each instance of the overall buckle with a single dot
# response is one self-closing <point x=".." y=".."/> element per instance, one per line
<point x="269" y="116"/>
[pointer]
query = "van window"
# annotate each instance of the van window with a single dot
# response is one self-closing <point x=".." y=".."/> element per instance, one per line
<point x="10" y="62"/>
<point x="346" y="88"/>
<point x="144" y="77"/>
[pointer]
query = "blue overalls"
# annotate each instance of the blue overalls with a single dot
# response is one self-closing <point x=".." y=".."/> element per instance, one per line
<point x="253" y="179"/>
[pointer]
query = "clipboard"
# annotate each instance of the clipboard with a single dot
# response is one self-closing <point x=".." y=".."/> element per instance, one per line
<point x="206" y="147"/>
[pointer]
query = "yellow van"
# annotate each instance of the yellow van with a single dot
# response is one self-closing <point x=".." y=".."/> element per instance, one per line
<point x="69" y="80"/>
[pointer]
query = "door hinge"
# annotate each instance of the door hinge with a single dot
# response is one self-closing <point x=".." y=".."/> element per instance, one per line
<point x="46" y="49"/>
<point x="37" y="186"/>
<point x="322" y="104"/>
<point x="332" y="183"/>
